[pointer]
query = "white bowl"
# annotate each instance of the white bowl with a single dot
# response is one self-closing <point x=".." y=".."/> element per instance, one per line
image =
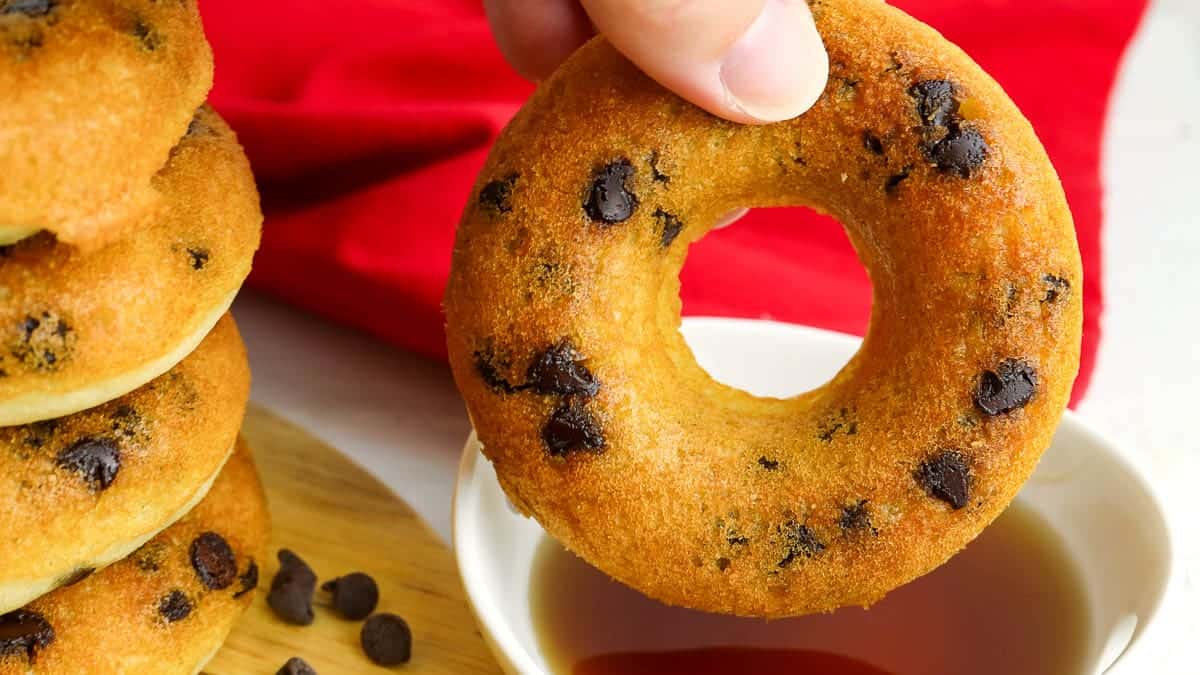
<point x="1103" y="510"/>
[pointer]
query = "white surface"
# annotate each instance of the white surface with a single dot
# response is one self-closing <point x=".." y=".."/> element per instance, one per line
<point x="400" y="417"/>
<point x="1102" y="509"/>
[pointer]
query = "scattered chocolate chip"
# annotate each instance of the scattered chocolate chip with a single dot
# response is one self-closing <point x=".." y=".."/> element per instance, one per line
<point x="248" y="579"/>
<point x="24" y="632"/>
<point x="31" y="8"/>
<point x="213" y="560"/>
<point x="96" y="460"/>
<point x="296" y="666"/>
<point x="387" y="640"/>
<point x="768" y="464"/>
<point x="609" y="201"/>
<point x="1056" y="288"/>
<point x="735" y="539"/>
<point x="560" y="371"/>
<point x="655" y="174"/>
<point x="936" y="104"/>
<point x="894" y="181"/>
<point x="174" y="606"/>
<point x="496" y="195"/>
<point x="670" y="225"/>
<point x="292" y="589"/>
<point x="946" y="476"/>
<point x="871" y="142"/>
<point x="1010" y="386"/>
<point x="77" y="576"/>
<point x="855" y="517"/>
<point x="572" y="428"/>
<point x="354" y="595"/>
<point x="150" y="38"/>
<point x="199" y="257"/>
<point x="962" y="151"/>
<point x="799" y="542"/>
<point x="723" y="563"/>
<point x="487" y="365"/>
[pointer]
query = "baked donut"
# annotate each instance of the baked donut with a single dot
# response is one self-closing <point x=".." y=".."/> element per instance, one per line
<point x="78" y="328"/>
<point x="96" y="92"/>
<point x="166" y="608"/>
<point x="85" y="490"/>
<point x="563" y="313"/>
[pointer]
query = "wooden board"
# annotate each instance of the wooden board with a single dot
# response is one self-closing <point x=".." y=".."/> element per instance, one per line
<point x="340" y="520"/>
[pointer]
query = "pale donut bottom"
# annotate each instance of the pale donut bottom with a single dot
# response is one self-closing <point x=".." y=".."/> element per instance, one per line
<point x="11" y="234"/>
<point x="44" y="405"/>
<point x="16" y="594"/>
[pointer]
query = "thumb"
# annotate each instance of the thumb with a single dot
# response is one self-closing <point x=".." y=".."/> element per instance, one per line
<point x="749" y="61"/>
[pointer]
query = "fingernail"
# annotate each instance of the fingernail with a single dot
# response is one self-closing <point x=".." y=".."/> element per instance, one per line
<point x="778" y="68"/>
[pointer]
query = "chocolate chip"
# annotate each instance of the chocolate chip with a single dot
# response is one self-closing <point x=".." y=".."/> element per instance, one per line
<point x="31" y="8"/>
<point x="946" y="476"/>
<point x="962" y="151"/>
<point x="799" y="542"/>
<point x="1010" y="386"/>
<point x="199" y="257"/>
<point x="1057" y="288"/>
<point x="354" y="595"/>
<point x="871" y="142"/>
<point x="496" y="196"/>
<point x="609" y="201"/>
<point x="174" y="606"/>
<point x="77" y="576"/>
<point x="213" y="560"/>
<point x="768" y="464"/>
<point x="292" y="589"/>
<point x="894" y="181"/>
<point x="572" y="428"/>
<point x="296" y="666"/>
<point x="670" y="226"/>
<point x="487" y="365"/>
<point x="150" y="38"/>
<point x="249" y="580"/>
<point x="723" y="563"/>
<point x="560" y="371"/>
<point x="387" y="640"/>
<point x="96" y="460"/>
<point x="936" y="104"/>
<point x="855" y="517"/>
<point x="24" y="632"/>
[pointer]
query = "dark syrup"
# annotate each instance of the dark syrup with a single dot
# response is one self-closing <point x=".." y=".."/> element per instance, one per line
<point x="1012" y="602"/>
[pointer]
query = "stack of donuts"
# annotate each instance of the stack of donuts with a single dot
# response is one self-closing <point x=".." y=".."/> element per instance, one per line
<point x="131" y="515"/>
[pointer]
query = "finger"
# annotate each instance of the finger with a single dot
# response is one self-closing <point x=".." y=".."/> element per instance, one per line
<point x="745" y="60"/>
<point x="537" y="35"/>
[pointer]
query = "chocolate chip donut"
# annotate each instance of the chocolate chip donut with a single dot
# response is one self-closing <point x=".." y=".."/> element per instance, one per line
<point x="84" y="490"/>
<point x="96" y="92"/>
<point x="563" y="313"/>
<point x="166" y="608"/>
<point x="78" y="328"/>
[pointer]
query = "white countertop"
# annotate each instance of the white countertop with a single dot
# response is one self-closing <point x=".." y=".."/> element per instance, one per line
<point x="400" y="416"/>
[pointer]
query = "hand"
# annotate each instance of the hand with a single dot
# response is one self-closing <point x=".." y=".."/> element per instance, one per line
<point x="749" y="61"/>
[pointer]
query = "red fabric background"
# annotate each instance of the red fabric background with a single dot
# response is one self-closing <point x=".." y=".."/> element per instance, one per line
<point x="367" y="122"/>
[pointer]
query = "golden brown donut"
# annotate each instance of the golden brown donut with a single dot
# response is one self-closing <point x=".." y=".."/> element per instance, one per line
<point x="85" y="490"/>
<point x="563" y="313"/>
<point x="96" y="92"/>
<point x="78" y="328"/>
<point x="166" y="608"/>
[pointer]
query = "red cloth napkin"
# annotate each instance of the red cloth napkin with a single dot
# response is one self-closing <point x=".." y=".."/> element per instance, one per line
<point x="366" y="123"/>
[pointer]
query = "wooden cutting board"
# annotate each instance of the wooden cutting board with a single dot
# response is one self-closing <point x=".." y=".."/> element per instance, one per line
<point x="340" y="519"/>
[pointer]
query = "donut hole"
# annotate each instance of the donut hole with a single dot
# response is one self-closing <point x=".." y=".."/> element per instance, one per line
<point x="791" y="265"/>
